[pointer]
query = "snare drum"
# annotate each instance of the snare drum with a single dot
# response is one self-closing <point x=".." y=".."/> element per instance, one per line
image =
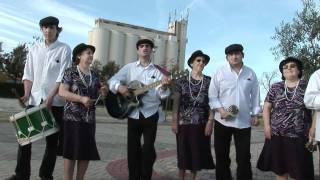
<point x="33" y="124"/>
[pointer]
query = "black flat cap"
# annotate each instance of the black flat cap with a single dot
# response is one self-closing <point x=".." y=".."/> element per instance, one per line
<point x="197" y="54"/>
<point x="50" y="20"/>
<point x="79" y="49"/>
<point x="234" y="48"/>
<point x="144" y="41"/>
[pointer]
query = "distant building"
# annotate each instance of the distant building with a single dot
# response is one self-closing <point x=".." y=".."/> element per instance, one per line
<point x="0" y="46"/>
<point x="116" y="41"/>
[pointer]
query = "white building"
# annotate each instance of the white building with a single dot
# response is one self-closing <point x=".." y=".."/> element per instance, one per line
<point x="116" y="41"/>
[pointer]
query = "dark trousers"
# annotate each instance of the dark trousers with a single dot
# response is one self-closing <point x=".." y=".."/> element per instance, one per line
<point x="54" y="146"/>
<point x="222" y="139"/>
<point x="141" y="158"/>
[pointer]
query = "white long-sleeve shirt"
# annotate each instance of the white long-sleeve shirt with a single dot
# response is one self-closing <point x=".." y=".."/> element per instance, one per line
<point x="146" y="75"/>
<point x="229" y="88"/>
<point x="312" y="99"/>
<point x="44" y="68"/>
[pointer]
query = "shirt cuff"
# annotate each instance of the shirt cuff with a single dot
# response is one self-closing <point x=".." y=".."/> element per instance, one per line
<point x="116" y="87"/>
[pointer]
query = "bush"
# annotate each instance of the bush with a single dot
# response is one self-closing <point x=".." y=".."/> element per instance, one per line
<point x="5" y="89"/>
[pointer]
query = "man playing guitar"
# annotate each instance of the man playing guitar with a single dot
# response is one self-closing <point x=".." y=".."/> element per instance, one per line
<point x="143" y="120"/>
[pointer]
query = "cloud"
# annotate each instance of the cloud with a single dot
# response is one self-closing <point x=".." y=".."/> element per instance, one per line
<point x="62" y="11"/>
<point x="23" y="25"/>
<point x="12" y="33"/>
<point x="10" y="20"/>
<point x="8" y="43"/>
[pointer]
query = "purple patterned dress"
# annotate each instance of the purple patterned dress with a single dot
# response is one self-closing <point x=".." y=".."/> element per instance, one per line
<point x="290" y="121"/>
<point x="289" y="116"/>
<point x="193" y="147"/>
<point x="79" y="121"/>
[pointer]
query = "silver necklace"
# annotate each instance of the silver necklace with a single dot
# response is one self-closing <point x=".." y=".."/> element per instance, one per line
<point x="83" y="80"/>
<point x="201" y="81"/>
<point x="287" y="90"/>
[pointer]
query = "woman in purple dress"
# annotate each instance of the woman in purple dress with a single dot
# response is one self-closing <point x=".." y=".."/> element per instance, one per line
<point x="286" y="126"/>
<point x="80" y="87"/>
<point x="192" y="120"/>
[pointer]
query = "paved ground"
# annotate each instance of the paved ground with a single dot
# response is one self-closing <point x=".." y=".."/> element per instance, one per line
<point x="111" y="141"/>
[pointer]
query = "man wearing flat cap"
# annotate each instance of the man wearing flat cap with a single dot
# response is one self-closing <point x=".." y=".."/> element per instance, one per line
<point x="43" y="71"/>
<point x="234" y="94"/>
<point x="144" y="119"/>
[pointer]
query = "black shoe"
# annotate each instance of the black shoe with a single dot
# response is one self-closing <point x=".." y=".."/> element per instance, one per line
<point x="43" y="178"/>
<point x="13" y="177"/>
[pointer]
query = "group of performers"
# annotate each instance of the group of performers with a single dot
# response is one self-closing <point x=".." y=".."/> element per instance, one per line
<point x="226" y="104"/>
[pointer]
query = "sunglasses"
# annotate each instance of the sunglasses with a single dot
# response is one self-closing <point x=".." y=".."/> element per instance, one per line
<point x="201" y="60"/>
<point x="291" y="66"/>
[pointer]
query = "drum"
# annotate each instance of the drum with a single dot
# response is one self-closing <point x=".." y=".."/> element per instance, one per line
<point x="34" y="124"/>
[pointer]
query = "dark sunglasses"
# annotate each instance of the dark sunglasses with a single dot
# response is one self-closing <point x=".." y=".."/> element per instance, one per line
<point x="201" y="60"/>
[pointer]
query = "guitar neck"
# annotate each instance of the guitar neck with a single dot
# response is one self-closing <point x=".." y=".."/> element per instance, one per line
<point x="146" y="88"/>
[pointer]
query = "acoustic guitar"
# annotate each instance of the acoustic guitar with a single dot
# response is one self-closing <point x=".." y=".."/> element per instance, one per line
<point x="120" y="107"/>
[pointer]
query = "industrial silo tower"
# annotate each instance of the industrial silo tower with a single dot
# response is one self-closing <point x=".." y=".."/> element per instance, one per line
<point x="116" y="41"/>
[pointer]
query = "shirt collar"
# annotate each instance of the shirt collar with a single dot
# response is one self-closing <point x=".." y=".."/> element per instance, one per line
<point x="138" y="63"/>
<point x="231" y="69"/>
<point x="51" y="46"/>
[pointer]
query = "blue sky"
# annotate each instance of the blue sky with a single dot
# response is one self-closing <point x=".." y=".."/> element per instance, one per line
<point x="212" y="25"/>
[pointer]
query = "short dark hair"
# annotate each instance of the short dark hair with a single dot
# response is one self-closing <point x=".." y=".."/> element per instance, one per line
<point x="51" y="20"/>
<point x="288" y="60"/>
<point x="144" y="41"/>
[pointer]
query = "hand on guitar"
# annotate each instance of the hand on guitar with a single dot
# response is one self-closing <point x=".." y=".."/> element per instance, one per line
<point x="165" y="81"/>
<point x="86" y="101"/>
<point x="123" y="90"/>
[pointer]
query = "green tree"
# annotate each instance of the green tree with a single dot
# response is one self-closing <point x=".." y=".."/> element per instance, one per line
<point x="106" y="71"/>
<point x="12" y="64"/>
<point x="300" y="38"/>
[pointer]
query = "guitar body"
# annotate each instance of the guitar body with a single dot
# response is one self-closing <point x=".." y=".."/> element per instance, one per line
<point x="120" y="107"/>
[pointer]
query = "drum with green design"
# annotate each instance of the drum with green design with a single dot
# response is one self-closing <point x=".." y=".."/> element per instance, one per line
<point x="34" y="124"/>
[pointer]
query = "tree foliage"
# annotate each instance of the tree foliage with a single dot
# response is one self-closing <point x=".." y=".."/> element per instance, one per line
<point x="106" y="71"/>
<point x="12" y="64"/>
<point x="300" y="38"/>
<point x="268" y="78"/>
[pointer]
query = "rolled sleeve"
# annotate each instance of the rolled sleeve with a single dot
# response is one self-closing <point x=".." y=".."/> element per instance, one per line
<point x="28" y="68"/>
<point x="312" y="94"/>
<point x="255" y="97"/>
<point x="119" y="77"/>
<point x="65" y="63"/>
<point x="214" y="101"/>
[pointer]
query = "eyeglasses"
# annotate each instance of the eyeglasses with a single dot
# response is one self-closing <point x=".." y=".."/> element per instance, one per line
<point x="201" y="60"/>
<point x="291" y="66"/>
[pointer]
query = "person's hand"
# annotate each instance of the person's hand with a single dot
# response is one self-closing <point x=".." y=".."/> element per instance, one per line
<point x="104" y="90"/>
<point x="25" y="98"/>
<point x="312" y="132"/>
<point x="48" y="102"/>
<point x="165" y="81"/>
<point x="225" y="114"/>
<point x="267" y="132"/>
<point x="255" y="121"/>
<point x="123" y="90"/>
<point x="174" y="126"/>
<point x="86" y="101"/>
<point x="209" y="128"/>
